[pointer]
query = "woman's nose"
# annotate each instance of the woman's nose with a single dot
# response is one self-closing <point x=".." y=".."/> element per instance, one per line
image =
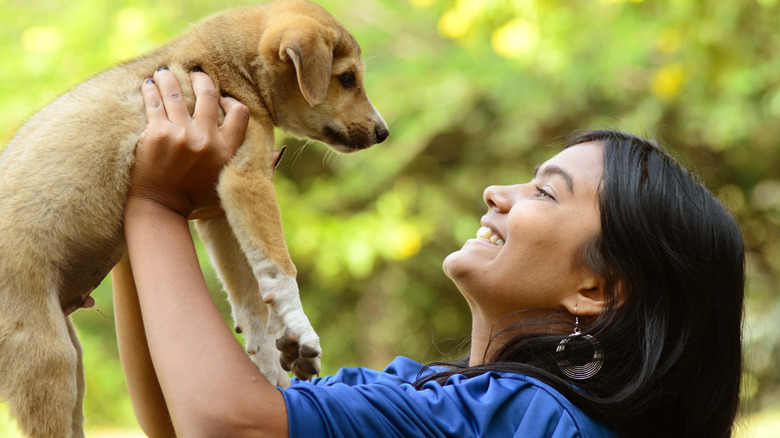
<point x="497" y="197"/>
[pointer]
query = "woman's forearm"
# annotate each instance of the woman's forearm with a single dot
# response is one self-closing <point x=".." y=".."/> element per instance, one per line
<point x="145" y="393"/>
<point x="210" y="385"/>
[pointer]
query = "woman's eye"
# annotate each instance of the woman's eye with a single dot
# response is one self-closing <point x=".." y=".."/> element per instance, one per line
<point x="347" y="79"/>
<point x="542" y="193"/>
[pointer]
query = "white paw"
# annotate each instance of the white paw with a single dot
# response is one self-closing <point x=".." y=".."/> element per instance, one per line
<point x="296" y="340"/>
<point x="269" y="367"/>
<point x="301" y="355"/>
<point x="260" y="345"/>
<point x="286" y="322"/>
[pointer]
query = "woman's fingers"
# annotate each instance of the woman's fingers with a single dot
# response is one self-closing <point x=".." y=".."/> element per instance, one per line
<point x="172" y="96"/>
<point x="233" y="129"/>
<point x="206" y="109"/>
<point x="234" y="126"/>
<point x="155" y="110"/>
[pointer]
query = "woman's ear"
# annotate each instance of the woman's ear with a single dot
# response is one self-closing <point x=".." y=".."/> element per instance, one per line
<point x="589" y="298"/>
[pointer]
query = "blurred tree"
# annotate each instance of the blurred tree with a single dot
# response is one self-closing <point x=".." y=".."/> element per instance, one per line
<point x="473" y="91"/>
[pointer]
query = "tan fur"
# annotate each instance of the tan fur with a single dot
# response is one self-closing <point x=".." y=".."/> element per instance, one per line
<point x="65" y="175"/>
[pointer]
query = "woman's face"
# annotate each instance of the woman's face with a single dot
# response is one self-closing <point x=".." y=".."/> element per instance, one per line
<point x="526" y="252"/>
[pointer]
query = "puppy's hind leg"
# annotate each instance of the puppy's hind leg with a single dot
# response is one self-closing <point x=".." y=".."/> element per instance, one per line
<point x="39" y="365"/>
<point x="81" y="387"/>
<point x="250" y="313"/>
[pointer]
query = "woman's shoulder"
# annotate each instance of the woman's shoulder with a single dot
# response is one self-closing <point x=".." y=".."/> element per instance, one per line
<point x="400" y="370"/>
<point x="530" y="401"/>
<point x="488" y="402"/>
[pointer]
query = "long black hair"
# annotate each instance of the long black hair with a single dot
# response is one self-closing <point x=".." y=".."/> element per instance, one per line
<point x="672" y="261"/>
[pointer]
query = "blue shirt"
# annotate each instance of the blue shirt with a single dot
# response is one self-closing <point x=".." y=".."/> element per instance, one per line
<point x="359" y="402"/>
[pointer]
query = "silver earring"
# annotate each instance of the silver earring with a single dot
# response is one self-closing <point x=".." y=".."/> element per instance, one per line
<point x="579" y="372"/>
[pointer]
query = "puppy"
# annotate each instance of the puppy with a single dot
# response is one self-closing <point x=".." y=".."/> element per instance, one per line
<point x="65" y="175"/>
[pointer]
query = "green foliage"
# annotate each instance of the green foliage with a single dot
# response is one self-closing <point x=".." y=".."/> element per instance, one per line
<point x="473" y="91"/>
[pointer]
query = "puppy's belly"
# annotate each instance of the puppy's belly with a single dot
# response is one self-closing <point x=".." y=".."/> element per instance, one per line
<point x="85" y="268"/>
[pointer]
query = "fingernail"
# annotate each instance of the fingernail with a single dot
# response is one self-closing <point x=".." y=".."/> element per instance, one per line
<point x="162" y="67"/>
<point x="149" y="81"/>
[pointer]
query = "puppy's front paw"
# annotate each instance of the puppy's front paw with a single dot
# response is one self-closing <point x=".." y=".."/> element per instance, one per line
<point x="287" y="323"/>
<point x="302" y="357"/>
<point x="261" y="351"/>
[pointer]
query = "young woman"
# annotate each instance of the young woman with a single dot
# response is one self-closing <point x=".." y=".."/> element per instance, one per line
<point x="606" y="299"/>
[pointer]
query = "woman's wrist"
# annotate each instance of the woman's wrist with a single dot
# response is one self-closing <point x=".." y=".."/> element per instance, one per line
<point x="150" y="198"/>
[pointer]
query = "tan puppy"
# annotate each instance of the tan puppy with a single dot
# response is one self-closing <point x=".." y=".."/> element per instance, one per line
<point x="65" y="175"/>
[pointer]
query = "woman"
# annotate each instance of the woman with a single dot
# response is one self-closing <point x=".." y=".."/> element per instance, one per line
<point x="606" y="299"/>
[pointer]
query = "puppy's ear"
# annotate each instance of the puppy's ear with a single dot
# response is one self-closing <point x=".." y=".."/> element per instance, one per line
<point x="313" y="60"/>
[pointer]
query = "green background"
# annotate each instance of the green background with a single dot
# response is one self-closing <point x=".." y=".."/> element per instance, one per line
<point x="475" y="92"/>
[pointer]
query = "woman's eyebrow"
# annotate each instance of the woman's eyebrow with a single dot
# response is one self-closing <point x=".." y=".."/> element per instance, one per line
<point x="552" y="170"/>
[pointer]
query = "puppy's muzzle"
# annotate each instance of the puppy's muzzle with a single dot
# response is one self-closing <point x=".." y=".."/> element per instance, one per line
<point x="356" y="136"/>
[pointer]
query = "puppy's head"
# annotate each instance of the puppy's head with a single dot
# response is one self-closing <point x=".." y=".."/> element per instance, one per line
<point x="314" y="78"/>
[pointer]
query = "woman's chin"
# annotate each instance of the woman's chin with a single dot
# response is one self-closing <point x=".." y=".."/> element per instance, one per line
<point x="455" y="264"/>
<point x="474" y="254"/>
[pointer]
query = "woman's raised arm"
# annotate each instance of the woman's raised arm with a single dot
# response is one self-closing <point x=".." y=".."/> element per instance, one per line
<point x="210" y="386"/>
<point x="142" y="384"/>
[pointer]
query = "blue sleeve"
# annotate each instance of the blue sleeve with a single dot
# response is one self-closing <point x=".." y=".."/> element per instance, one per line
<point x="361" y="403"/>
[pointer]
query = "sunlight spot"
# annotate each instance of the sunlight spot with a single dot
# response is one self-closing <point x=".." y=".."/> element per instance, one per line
<point x="42" y="39"/>
<point x="131" y="21"/>
<point x="458" y="21"/>
<point x="131" y="29"/>
<point x="515" y="39"/>
<point x="406" y="242"/>
<point x="359" y="258"/>
<point x="454" y="25"/>
<point x="667" y="81"/>
<point x="766" y="195"/>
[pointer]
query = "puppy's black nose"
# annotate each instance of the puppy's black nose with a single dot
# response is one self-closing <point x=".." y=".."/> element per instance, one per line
<point x="381" y="134"/>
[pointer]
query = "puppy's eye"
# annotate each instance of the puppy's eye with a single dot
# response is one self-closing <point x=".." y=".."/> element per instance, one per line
<point x="347" y="79"/>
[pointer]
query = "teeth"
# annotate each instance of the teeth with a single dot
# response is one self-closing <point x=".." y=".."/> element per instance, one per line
<point x="486" y="234"/>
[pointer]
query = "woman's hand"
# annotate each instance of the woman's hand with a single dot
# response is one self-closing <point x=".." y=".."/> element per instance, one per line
<point x="178" y="158"/>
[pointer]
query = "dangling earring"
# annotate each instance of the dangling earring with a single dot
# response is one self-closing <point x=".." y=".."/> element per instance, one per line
<point x="579" y="372"/>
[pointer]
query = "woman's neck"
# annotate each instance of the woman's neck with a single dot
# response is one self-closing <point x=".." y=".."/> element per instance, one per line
<point x="490" y="332"/>
<point x="481" y="334"/>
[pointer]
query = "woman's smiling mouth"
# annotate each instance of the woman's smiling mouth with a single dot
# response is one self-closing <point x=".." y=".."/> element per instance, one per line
<point x="486" y="234"/>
